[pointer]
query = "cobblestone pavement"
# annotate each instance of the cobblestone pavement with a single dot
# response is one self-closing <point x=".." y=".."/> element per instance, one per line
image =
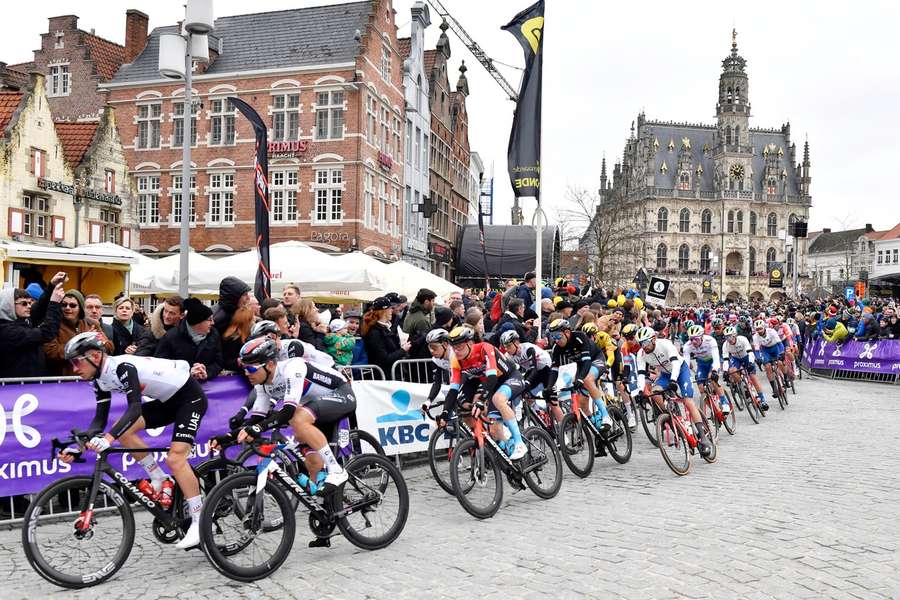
<point x="805" y="505"/>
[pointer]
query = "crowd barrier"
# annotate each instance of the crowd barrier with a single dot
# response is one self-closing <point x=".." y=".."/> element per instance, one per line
<point x="876" y="360"/>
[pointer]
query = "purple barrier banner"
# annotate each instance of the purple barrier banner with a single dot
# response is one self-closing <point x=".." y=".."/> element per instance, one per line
<point x="877" y="356"/>
<point x="35" y="413"/>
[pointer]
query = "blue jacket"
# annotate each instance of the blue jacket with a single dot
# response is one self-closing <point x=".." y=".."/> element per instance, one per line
<point x="525" y="293"/>
<point x="359" y="353"/>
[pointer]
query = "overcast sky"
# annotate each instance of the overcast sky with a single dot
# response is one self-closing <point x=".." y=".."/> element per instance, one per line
<point x="832" y="70"/>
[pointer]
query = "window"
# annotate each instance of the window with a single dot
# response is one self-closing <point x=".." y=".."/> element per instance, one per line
<point x="772" y="186"/>
<point x="284" y="196"/>
<point x="684" y="181"/>
<point x="790" y="261"/>
<point x="109" y="181"/>
<point x="684" y="221"/>
<point x="59" y="80"/>
<point x="772" y="225"/>
<point x="110" y="230"/>
<point x="396" y="134"/>
<point x="728" y="129"/>
<point x="752" y="223"/>
<point x="221" y="199"/>
<point x="705" y="261"/>
<point x="372" y="120"/>
<point x="385" y="139"/>
<point x="409" y="152"/>
<point x="385" y="63"/>
<point x="285" y="117"/>
<point x="221" y="123"/>
<point x="752" y="259"/>
<point x="770" y="259"/>
<point x="394" y="226"/>
<point x="329" y="190"/>
<point x="740" y="222"/>
<point x="176" y="199"/>
<point x="706" y="221"/>
<point x="148" y="200"/>
<point x="178" y="120"/>
<point x="149" y="120"/>
<point x="424" y="163"/>
<point x="60" y="42"/>
<point x="382" y="205"/>
<point x="730" y="221"/>
<point x="329" y="115"/>
<point x="662" y="219"/>
<point x="369" y="197"/>
<point x="896" y="257"/>
<point x="661" y="257"/>
<point x="684" y="256"/>
<point x="36" y="217"/>
<point x="38" y="164"/>
<point x="880" y="257"/>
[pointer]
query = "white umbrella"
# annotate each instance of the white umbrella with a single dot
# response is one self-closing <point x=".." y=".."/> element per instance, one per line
<point x="407" y="279"/>
<point x="166" y="274"/>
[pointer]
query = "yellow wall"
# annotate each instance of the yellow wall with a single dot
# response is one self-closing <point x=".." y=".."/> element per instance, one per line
<point x="108" y="283"/>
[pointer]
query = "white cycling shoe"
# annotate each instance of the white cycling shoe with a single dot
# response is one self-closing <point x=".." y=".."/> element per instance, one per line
<point x="519" y="451"/>
<point x="191" y="538"/>
<point x="336" y="479"/>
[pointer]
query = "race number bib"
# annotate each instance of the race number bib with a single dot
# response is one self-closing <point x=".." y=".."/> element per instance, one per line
<point x="566" y="376"/>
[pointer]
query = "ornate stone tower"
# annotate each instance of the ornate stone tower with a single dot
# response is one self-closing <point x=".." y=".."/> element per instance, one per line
<point x="733" y="153"/>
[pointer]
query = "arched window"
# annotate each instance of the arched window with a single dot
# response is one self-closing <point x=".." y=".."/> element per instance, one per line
<point x="684" y="256"/>
<point x="730" y="95"/>
<point x="737" y="134"/>
<point x="706" y="221"/>
<point x="772" y="186"/>
<point x="752" y="259"/>
<point x="661" y="252"/>
<point x="662" y="219"/>
<point x="419" y="94"/>
<point x="728" y="135"/>
<point x="740" y="222"/>
<point x="772" y="225"/>
<point x="730" y="221"/>
<point x="705" y="262"/>
<point x="737" y="94"/>
<point x="684" y="181"/>
<point x="770" y="259"/>
<point x="752" y="223"/>
<point x="792" y="220"/>
<point x="684" y="221"/>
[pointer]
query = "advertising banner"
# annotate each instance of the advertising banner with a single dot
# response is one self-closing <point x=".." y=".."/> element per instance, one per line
<point x="776" y="276"/>
<point x="391" y="411"/>
<point x="878" y="356"/>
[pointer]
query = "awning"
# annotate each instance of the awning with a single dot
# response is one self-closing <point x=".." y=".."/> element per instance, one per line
<point x="106" y="255"/>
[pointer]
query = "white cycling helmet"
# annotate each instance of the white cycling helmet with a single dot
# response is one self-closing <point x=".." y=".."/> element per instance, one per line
<point x="436" y="336"/>
<point x="730" y="331"/>
<point x="645" y="334"/>
<point x="696" y="331"/>
<point x="508" y="337"/>
<point x="759" y="324"/>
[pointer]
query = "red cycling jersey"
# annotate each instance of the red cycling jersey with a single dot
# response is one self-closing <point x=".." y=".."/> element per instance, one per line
<point x="482" y="362"/>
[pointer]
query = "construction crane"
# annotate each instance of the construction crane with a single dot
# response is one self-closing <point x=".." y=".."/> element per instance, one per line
<point x="476" y="50"/>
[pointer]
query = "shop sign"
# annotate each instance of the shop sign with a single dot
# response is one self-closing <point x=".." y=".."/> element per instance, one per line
<point x="287" y="149"/>
<point x="79" y="191"/>
<point x="385" y="161"/>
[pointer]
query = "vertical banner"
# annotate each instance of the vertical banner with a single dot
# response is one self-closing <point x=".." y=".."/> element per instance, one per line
<point x="263" y="286"/>
<point x="524" y="153"/>
<point x="487" y="275"/>
<point x="776" y="276"/>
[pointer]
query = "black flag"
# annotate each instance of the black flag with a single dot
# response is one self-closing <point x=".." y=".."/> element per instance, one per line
<point x="263" y="287"/>
<point x="524" y="154"/>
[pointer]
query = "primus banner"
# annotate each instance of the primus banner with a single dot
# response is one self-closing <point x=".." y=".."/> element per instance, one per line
<point x="877" y="356"/>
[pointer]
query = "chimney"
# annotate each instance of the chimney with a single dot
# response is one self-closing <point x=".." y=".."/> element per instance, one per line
<point x="826" y="230"/>
<point x="869" y="228"/>
<point x="135" y="33"/>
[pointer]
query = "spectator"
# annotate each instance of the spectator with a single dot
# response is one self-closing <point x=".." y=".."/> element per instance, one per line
<point x="312" y="330"/>
<point x="235" y="336"/>
<point x="353" y="319"/>
<point x="139" y="316"/>
<point x="278" y="315"/>
<point x="93" y="309"/>
<point x="868" y="328"/>
<point x="290" y="296"/>
<point x="128" y="336"/>
<point x="73" y="322"/>
<point x="834" y="331"/>
<point x="382" y="347"/>
<point x="459" y="312"/>
<point x="525" y="290"/>
<point x="443" y="318"/>
<point x="893" y="327"/>
<point x="194" y="340"/>
<point x="21" y="343"/>
<point x="339" y="343"/>
<point x="166" y="316"/>
<point x="269" y="303"/>
<point x="515" y="315"/>
<point x="475" y="319"/>
<point x="233" y="294"/>
<point x="253" y="303"/>
<point x="420" y="317"/>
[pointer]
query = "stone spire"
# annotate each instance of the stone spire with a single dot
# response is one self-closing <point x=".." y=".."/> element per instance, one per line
<point x="462" y="84"/>
<point x="603" y="185"/>
<point x="443" y="44"/>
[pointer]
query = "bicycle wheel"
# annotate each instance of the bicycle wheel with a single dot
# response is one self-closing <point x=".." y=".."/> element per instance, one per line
<point x="673" y="446"/>
<point x="714" y="442"/>
<point x="779" y="391"/>
<point x="649" y="415"/>
<point x="544" y="480"/>
<point x="476" y="478"/>
<point x="709" y="414"/>
<point x="62" y="554"/>
<point x="439" y="458"/>
<point x="237" y="541"/>
<point x="620" y="445"/>
<point x="375" y="502"/>
<point x="364" y="442"/>
<point x="576" y="446"/>
<point x="752" y="407"/>
<point x="734" y="396"/>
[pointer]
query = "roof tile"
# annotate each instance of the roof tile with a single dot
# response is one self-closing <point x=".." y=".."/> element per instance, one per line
<point x="76" y="138"/>
<point x="9" y="102"/>
<point x="404" y="47"/>
<point x="107" y="56"/>
<point x="430" y="56"/>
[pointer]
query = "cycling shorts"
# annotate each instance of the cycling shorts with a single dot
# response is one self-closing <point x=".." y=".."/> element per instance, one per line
<point x="330" y="406"/>
<point x="769" y="354"/>
<point x="684" y="381"/>
<point x="512" y="387"/>
<point x="703" y="369"/>
<point x="185" y="408"/>
<point x="598" y="368"/>
<point x="739" y="363"/>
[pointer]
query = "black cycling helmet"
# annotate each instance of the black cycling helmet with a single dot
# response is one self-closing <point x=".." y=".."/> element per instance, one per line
<point x="258" y="351"/>
<point x="83" y="343"/>
<point x="460" y="335"/>
<point x="436" y="336"/>
<point x="559" y="325"/>
<point x="263" y="328"/>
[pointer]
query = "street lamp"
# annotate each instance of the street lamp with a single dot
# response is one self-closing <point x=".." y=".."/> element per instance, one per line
<point x="177" y="53"/>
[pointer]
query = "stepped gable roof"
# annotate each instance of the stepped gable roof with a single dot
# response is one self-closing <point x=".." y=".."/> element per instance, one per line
<point x="272" y="40"/>
<point x="107" y="56"/>
<point x="76" y="138"/>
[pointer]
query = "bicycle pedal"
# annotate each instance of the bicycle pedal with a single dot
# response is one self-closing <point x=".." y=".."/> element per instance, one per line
<point x="320" y="543"/>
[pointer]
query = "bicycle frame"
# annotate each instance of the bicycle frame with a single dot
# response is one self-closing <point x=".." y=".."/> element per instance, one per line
<point x="481" y="434"/>
<point x="675" y="407"/>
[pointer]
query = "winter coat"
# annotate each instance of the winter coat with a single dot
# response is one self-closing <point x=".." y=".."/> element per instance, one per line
<point x="177" y="344"/>
<point x="418" y="321"/>
<point x="340" y="347"/>
<point x="230" y="291"/>
<point x="383" y="347"/>
<point x="311" y="336"/>
<point x="516" y="323"/>
<point x="837" y="336"/>
<point x="55" y="349"/>
<point x="140" y="337"/>
<point x="525" y="294"/>
<point x="21" y="343"/>
<point x="231" y="351"/>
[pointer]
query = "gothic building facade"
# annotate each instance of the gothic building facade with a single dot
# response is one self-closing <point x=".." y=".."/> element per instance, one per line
<point x="693" y="202"/>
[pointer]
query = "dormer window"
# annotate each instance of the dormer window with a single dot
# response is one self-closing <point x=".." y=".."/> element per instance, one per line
<point x="772" y="186"/>
<point x="59" y="43"/>
<point x="684" y="181"/>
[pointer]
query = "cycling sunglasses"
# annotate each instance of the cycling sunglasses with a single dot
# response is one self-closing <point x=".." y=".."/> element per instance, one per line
<point x="252" y="368"/>
<point x="554" y="336"/>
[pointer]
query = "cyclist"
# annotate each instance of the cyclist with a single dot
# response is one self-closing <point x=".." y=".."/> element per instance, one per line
<point x="474" y="364"/>
<point x="439" y="347"/>
<point x="769" y="349"/>
<point x="575" y="346"/>
<point x="787" y="338"/>
<point x="322" y="395"/>
<point x="175" y="397"/>
<point x="536" y="362"/>
<point x="738" y="351"/>
<point x="662" y="355"/>
<point x="705" y="351"/>
<point x="605" y="344"/>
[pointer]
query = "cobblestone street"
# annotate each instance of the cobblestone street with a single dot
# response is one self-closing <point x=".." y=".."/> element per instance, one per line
<point x="804" y="505"/>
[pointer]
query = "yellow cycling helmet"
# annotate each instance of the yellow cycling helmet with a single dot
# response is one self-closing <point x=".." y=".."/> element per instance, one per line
<point x="629" y="329"/>
<point x="611" y="304"/>
<point x="558" y="325"/>
<point x="590" y="328"/>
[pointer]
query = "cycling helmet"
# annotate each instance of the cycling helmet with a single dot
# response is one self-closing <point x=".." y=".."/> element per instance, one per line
<point x="590" y="328"/>
<point x="558" y="325"/>
<point x="258" y="351"/>
<point x="688" y="324"/>
<point x="730" y="331"/>
<point x="759" y="324"/>
<point x="460" y="335"/>
<point x="437" y="336"/>
<point x="629" y="330"/>
<point x="508" y="337"/>
<point x="717" y="322"/>
<point x="791" y="321"/>
<point x="264" y="328"/>
<point x="645" y="334"/>
<point x="773" y="322"/>
<point x="83" y="343"/>
<point x="695" y="331"/>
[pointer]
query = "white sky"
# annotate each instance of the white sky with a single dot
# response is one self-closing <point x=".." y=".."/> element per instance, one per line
<point x="831" y="69"/>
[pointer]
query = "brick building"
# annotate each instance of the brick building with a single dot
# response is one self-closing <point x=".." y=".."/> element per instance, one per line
<point x="327" y="79"/>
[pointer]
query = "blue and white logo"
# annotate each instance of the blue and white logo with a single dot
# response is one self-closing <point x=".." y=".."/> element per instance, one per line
<point x="391" y="434"/>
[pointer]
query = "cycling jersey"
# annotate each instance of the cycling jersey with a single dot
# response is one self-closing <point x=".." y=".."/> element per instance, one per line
<point x="298" y="348"/>
<point x="786" y="335"/>
<point x="669" y="362"/>
<point x="578" y="349"/>
<point x="605" y="344"/>
<point x="769" y="340"/>
<point x="740" y="349"/>
<point x="705" y="352"/>
<point x="530" y="357"/>
<point x="483" y="365"/>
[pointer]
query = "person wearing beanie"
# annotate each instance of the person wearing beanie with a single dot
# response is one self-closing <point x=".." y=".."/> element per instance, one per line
<point x="35" y="291"/>
<point x="195" y="340"/>
<point x="834" y="331"/>
<point x="419" y="321"/>
<point x="72" y="323"/>
<point x="525" y="291"/>
<point x="233" y="293"/>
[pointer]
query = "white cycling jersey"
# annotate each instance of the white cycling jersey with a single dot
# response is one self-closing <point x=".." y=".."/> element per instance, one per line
<point x="706" y="351"/>
<point x="298" y="348"/>
<point x="296" y="382"/>
<point x="769" y="340"/>
<point x="739" y="349"/>
<point x="524" y="360"/>
<point x="664" y="356"/>
<point x="159" y="378"/>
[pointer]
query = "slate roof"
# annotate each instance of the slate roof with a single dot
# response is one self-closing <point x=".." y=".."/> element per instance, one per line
<point x="835" y="241"/>
<point x="76" y="138"/>
<point x="288" y="38"/>
<point x="404" y="47"/>
<point x="107" y="56"/>
<point x="9" y="102"/>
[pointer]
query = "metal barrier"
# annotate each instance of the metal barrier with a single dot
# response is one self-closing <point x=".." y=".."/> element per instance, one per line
<point x="416" y="370"/>
<point x="21" y="380"/>
<point x="364" y="373"/>
<point x="846" y="375"/>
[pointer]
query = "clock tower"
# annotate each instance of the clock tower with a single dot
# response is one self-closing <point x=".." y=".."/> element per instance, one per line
<point x="733" y="152"/>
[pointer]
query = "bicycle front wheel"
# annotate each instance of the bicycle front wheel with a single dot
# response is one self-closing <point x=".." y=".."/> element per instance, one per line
<point x="476" y="479"/>
<point x="375" y="500"/>
<point x="673" y="445"/>
<point x="439" y="458"/>
<point x="576" y="445"/>
<point x="233" y="531"/>
<point x="543" y="465"/>
<point x="68" y="552"/>
<point x="619" y="445"/>
<point x="649" y="415"/>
